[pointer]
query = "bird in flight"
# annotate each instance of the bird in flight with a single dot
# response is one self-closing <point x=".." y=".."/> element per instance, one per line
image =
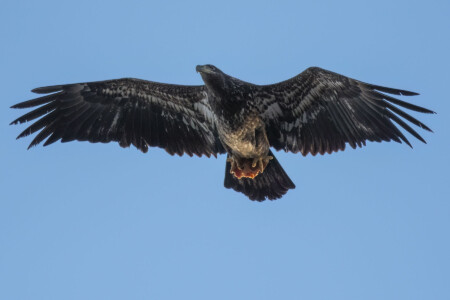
<point x="317" y="111"/>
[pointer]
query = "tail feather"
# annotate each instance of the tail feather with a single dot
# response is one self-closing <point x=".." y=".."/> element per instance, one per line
<point x="272" y="184"/>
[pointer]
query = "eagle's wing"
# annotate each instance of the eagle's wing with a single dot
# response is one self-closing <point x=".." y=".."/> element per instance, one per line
<point x="129" y="111"/>
<point x="319" y="111"/>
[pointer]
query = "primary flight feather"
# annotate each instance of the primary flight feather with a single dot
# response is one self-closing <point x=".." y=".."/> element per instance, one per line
<point x="317" y="111"/>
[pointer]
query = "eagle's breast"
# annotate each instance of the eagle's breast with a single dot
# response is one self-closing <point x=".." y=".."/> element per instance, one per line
<point x="244" y="139"/>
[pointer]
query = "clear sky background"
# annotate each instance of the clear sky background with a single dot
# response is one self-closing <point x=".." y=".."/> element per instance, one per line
<point x="95" y="221"/>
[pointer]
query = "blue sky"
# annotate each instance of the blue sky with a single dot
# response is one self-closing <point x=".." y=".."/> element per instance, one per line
<point x="85" y="221"/>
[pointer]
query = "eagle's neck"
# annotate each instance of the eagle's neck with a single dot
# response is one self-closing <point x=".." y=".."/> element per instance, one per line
<point x="226" y="87"/>
<point x="227" y="99"/>
<point x="216" y="84"/>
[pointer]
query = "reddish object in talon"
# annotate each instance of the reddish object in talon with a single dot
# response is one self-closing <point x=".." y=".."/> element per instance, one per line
<point x="247" y="172"/>
<point x="248" y="168"/>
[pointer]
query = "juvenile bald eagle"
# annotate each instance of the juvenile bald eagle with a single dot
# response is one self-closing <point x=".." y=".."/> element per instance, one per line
<point x="317" y="111"/>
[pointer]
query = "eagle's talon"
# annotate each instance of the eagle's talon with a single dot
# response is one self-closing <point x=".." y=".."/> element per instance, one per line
<point x="248" y="167"/>
<point x="255" y="161"/>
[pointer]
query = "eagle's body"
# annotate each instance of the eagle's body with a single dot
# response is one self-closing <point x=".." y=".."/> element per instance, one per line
<point x="238" y="121"/>
<point x="317" y="111"/>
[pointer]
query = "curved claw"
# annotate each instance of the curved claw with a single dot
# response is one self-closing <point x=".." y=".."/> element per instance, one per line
<point x="248" y="167"/>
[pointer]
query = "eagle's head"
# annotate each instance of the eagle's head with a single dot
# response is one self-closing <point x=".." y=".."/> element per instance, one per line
<point x="208" y="69"/>
<point x="213" y="77"/>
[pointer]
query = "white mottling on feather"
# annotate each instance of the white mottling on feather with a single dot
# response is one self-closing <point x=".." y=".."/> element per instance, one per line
<point x="273" y="110"/>
<point x="116" y="118"/>
<point x="203" y="108"/>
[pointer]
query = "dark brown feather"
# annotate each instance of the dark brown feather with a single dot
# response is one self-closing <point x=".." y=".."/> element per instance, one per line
<point x="129" y="111"/>
<point x="327" y="108"/>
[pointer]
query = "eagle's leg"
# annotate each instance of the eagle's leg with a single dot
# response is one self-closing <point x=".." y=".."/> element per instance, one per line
<point x="261" y="163"/>
<point x="248" y="167"/>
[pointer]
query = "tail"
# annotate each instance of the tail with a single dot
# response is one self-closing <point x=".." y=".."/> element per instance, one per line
<point x="272" y="184"/>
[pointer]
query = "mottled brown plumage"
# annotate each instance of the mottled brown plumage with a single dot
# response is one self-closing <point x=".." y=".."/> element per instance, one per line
<point x="317" y="111"/>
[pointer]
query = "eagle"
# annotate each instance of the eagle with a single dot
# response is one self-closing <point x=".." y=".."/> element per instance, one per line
<point x="317" y="111"/>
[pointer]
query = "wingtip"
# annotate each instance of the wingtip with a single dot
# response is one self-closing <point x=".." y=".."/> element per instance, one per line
<point x="429" y="111"/>
<point x="38" y="90"/>
<point x="405" y="140"/>
<point x="47" y="89"/>
<point x="408" y="93"/>
<point x="389" y="90"/>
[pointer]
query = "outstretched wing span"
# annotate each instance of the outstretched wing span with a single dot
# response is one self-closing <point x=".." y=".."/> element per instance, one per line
<point x="319" y="111"/>
<point x="129" y="111"/>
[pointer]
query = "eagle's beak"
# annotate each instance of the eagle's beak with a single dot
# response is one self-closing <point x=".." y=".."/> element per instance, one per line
<point x="202" y="69"/>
